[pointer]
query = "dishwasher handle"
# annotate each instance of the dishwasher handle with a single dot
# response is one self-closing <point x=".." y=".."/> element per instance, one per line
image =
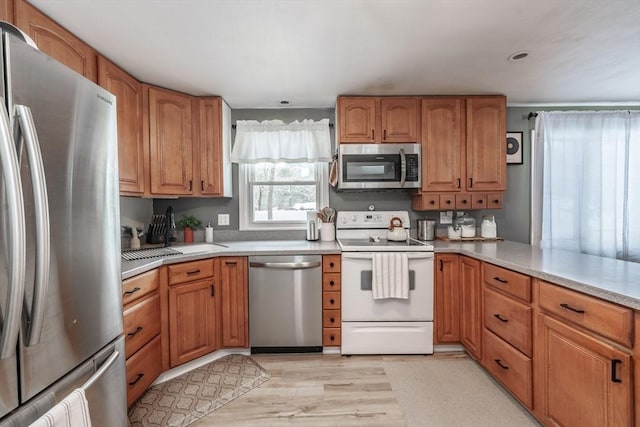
<point x="286" y="265"/>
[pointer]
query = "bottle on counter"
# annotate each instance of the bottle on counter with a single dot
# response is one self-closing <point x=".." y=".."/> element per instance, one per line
<point x="135" y="240"/>
<point x="208" y="233"/>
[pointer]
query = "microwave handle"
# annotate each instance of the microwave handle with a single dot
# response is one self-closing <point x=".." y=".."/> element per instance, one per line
<point x="403" y="167"/>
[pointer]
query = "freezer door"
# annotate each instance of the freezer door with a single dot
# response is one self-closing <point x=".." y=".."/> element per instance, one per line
<point x="73" y="123"/>
<point x="105" y="393"/>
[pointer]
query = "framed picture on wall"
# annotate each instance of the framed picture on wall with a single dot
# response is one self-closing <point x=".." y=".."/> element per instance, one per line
<point x="514" y="148"/>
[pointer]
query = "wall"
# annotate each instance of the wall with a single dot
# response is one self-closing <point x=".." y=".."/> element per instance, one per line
<point x="208" y="209"/>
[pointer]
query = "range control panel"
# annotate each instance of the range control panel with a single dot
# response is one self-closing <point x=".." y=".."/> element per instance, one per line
<point x="370" y="219"/>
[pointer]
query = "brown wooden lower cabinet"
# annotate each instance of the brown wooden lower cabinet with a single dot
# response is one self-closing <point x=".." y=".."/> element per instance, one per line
<point x="471" y="306"/>
<point x="580" y="379"/>
<point x="142" y="369"/>
<point x="192" y="324"/>
<point x="447" y="299"/>
<point x="234" y="295"/>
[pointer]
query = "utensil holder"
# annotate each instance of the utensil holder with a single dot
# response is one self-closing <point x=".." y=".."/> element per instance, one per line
<point x="328" y="231"/>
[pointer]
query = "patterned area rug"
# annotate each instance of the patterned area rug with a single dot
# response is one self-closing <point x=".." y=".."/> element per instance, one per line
<point x="185" y="399"/>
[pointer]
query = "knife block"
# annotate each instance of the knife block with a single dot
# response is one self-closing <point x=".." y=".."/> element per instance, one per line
<point x="157" y="228"/>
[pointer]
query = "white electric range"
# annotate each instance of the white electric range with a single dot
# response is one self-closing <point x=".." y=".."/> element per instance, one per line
<point x="383" y="326"/>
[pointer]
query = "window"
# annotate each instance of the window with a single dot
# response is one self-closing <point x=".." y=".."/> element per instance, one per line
<point x="279" y="195"/>
<point x="585" y="182"/>
<point x="283" y="172"/>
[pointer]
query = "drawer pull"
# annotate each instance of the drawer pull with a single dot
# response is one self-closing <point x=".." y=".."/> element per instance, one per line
<point x="499" y="362"/>
<point x="332" y="320"/>
<point x="500" y="318"/>
<point x="614" y="363"/>
<point x="189" y="273"/>
<point x="332" y="301"/>
<point x="331" y="265"/>
<point x="332" y="283"/>
<point x="138" y="329"/>
<point x="132" y="291"/>
<point x="138" y="378"/>
<point x="231" y="262"/>
<point x="498" y="279"/>
<point x="568" y="307"/>
<point x="332" y="338"/>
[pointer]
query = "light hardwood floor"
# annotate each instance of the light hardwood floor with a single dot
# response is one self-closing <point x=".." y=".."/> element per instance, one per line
<point x="331" y="390"/>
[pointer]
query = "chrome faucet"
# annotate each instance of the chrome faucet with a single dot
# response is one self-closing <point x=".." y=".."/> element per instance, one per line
<point x="170" y="226"/>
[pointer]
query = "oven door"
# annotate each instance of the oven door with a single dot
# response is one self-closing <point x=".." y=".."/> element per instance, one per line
<point x="357" y="297"/>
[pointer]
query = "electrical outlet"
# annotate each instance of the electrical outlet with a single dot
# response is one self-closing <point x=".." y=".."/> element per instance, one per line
<point x="446" y="217"/>
<point x="223" y="219"/>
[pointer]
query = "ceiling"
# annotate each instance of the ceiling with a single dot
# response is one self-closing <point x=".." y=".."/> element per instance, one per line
<point x="255" y="53"/>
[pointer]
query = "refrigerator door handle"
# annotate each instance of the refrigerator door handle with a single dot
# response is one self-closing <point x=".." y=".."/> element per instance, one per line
<point x="101" y="370"/>
<point x="16" y="232"/>
<point x="41" y="210"/>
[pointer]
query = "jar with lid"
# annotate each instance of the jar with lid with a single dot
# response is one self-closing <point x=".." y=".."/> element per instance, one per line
<point x="488" y="227"/>
<point x="467" y="226"/>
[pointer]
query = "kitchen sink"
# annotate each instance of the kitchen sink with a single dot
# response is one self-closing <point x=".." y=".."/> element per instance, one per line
<point x="194" y="249"/>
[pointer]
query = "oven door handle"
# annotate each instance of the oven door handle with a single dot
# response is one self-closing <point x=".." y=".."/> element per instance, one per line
<point x="369" y="255"/>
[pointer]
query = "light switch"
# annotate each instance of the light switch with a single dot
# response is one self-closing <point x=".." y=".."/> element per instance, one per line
<point x="223" y="219"/>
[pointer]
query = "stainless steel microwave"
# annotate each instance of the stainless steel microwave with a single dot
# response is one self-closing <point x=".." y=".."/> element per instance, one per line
<point x="378" y="166"/>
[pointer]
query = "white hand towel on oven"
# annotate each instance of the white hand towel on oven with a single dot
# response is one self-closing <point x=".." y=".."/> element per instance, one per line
<point x="390" y="275"/>
<point x="72" y="411"/>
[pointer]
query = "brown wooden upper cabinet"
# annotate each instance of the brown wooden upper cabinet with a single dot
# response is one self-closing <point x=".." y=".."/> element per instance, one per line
<point x="212" y="157"/>
<point x="170" y="142"/>
<point x="365" y="119"/>
<point x="463" y="144"/>
<point x="6" y="10"/>
<point x="131" y="155"/>
<point x="55" y="40"/>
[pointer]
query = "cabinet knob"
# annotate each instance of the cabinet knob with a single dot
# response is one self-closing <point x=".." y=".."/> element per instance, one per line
<point x="448" y="202"/>
<point x="432" y="202"/>
<point x="331" y="264"/>
<point x="332" y="338"/>
<point x="331" y="283"/>
<point x="332" y="301"/>
<point x="332" y="320"/>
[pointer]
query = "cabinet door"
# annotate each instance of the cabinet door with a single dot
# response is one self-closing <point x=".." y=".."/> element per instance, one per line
<point x="580" y="380"/>
<point x="399" y="119"/>
<point x="235" y="301"/>
<point x="209" y="152"/>
<point x="357" y="119"/>
<point x="170" y="145"/>
<point x="131" y="156"/>
<point x="6" y="10"/>
<point x="55" y="40"/>
<point x="447" y="299"/>
<point x="192" y="321"/>
<point x="486" y="144"/>
<point x="443" y="144"/>
<point x="471" y="306"/>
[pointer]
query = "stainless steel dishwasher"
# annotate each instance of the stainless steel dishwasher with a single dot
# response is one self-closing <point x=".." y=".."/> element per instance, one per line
<point x="285" y="303"/>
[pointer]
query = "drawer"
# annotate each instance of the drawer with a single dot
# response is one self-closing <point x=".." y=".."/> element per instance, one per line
<point x="331" y="282"/>
<point x="509" y="319"/>
<point x="139" y="286"/>
<point x="604" y="318"/>
<point x="331" y="264"/>
<point x="330" y="300"/>
<point x="479" y="201"/>
<point x="142" y="369"/>
<point x="463" y="201"/>
<point x="447" y="201"/>
<point x="507" y="281"/>
<point x="141" y="323"/>
<point x="331" y="337"/>
<point x="189" y="271"/>
<point x="331" y="318"/>
<point x="494" y="200"/>
<point x="509" y="366"/>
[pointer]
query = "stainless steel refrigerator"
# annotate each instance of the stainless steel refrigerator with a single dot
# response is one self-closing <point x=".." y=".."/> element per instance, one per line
<point x="60" y="286"/>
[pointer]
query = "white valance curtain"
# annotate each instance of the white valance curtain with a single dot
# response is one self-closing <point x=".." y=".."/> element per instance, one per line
<point x="275" y="141"/>
<point x="588" y="194"/>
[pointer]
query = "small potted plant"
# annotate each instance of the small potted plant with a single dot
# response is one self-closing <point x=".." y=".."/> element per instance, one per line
<point x="189" y="223"/>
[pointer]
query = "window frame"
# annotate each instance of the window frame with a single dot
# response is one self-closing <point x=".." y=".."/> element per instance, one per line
<point x="246" y="198"/>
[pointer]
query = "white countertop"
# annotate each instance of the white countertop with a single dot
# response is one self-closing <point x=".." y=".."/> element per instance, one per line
<point x="609" y="279"/>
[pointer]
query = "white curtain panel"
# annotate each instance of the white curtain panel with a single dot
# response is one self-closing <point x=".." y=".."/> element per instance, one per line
<point x="274" y="141"/>
<point x="590" y="180"/>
